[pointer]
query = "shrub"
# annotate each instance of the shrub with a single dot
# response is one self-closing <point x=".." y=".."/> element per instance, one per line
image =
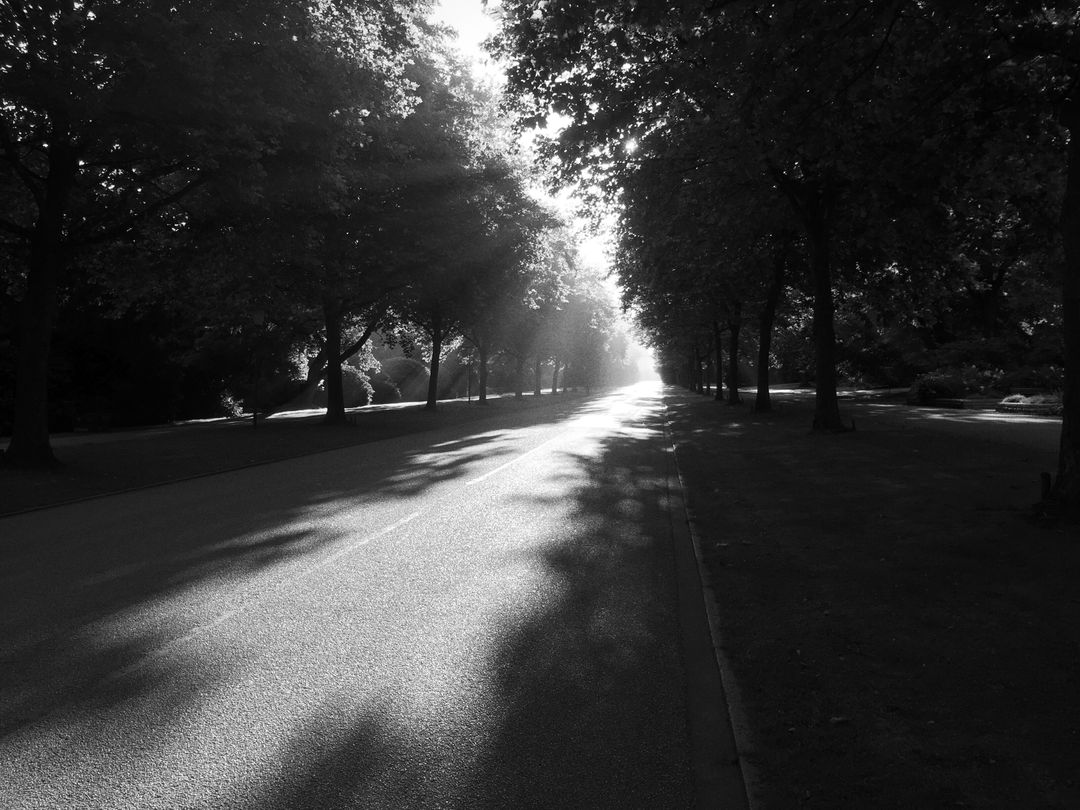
<point x="409" y="375"/>
<point x="230" y="406"/>
<point x="355" y="386"/>
<point x="1047" y="378"/>
<point x="384" y="389"/>
<point x="936" y="385"/>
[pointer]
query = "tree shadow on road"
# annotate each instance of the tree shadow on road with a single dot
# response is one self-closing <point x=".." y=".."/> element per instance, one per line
<point x="574" y="698"/>
<point x="94" y="597"/>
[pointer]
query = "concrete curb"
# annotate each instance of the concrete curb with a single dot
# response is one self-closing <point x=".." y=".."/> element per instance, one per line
<point x="736" y="715"/>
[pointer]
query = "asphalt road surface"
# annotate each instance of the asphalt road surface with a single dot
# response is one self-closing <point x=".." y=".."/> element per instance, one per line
<point x="479" y="616"/>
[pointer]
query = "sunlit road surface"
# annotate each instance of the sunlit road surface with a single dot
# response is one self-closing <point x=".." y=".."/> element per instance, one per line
<point x="481" y="616"/>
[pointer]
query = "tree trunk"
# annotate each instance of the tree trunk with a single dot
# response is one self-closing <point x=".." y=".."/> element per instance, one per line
<point x="482" y="373"/>
<point x="436" y="350"/>
<point x="335" y="393"/>
<point x="735" y="326"/>
<point x="698" y="387"/>
<point x="538" y="366"/>
<point x="702" y="370"/>
<point x="1066" y="490"/>
<point x="29" y="445"/>
<point x="763" y="401"/>
<point x="555" y="375"/>
<point x="519" y="377"/>
<point x="255" y="387"/>
<point x="718" y="346"/>
<point x="810" y="205"/>
<point x="826" y="404"/>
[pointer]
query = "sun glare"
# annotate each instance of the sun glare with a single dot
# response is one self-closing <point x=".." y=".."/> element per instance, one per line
<point x="473" y="25"/>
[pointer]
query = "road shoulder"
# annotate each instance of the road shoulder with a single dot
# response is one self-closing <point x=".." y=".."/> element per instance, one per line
<point x="718" y="765"/>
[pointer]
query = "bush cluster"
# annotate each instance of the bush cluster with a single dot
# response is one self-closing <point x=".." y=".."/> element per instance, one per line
<point x="936" y="385"/>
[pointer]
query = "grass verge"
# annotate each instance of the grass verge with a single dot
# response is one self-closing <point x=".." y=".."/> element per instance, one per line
<point x="901" y="636"/>
<point x="101" y="463"/>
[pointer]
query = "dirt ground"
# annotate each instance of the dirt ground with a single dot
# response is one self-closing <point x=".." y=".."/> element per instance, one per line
<point x="900" y="635"/>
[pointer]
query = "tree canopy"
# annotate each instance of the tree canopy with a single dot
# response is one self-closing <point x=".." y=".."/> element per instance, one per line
<point x="859" y="191"/>
<point x="257" y="189"/>
<point x="907" y="160"/>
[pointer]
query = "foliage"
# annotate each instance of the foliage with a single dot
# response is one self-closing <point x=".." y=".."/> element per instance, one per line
<point x="114" y="114"/>
<point x="357" y="388"/>
<point x="407" y="376"/>
<point x="937" y="385"/>
<point x="923" y="152"/>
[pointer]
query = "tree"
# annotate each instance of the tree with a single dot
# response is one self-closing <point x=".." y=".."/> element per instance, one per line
<point x="113" y="113"/>
<point x="824" y="95"/>
<point x="693" y="228"/>
<point x="1041" y="58"/>
<point x="514" y="284"/>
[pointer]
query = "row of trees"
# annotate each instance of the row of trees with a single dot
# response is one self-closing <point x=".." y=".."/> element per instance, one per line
<point x="905" y="173"/>
<point x="266" y="185"/>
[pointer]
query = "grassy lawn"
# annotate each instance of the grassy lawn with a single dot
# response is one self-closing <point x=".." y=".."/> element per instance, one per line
<point x="99" y="463"/>
<point x="900" y="635"/>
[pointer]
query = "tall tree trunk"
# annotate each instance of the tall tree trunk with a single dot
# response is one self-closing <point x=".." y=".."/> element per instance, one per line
<point x="763" y="401"/>
<point x="718" y="341"/>
<point x="482" y="373"/>
<point x="826" y="404"/>
<point x="811" y="205"/>
<point x="29" y="445"/>
<point x="436" y="350"/>
<point x="555" y="375"/>
<point x="735" y="325"/>
<point x="519" y="377"/>
<point x="700" y="359"/>
<point x="1066" y="488"/>
<point x="538" y="367"/>
<point x="335" y="392"/>
<point x="698" y="387"/>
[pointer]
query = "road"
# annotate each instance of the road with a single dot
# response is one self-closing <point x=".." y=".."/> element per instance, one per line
<point x="480" y="616"/>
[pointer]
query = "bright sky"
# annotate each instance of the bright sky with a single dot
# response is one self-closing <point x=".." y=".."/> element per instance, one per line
<point x="474" y="24"/>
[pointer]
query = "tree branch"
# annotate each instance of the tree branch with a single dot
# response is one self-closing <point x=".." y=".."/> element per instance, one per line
<point x="873" y="60"/>
<point x="358" y="344"/>
<point x="137" y="217"/>
<point x="27" y="176"/>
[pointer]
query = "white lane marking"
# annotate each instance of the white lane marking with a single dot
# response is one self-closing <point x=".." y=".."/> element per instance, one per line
<point x="511" y="462"/>
<point x="363" y="541"/>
